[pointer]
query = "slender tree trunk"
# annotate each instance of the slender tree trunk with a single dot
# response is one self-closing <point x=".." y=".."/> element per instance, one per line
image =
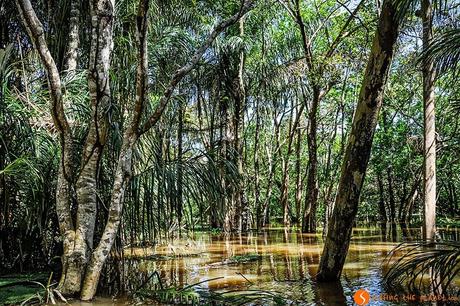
<point x="359" y="146"/>
<point x="272" y="161"/>
<point x="180" y="175"/>
<point x="241" y="209"/>
<point x="227" y="201"/>
<point x="74" y="36"/>
<point x="68" y="285"/>
<point x="258" y="203"/>
<point x="298" y="183"/>
<point x="284" y="186"/>
<point x="382" y="210"/>
<point x="100" y="254"/>
<point x="429" y="148"/>
<point x="392" y="201"/>
<point x="309" y="216"/>
<point x="99" y="88"/>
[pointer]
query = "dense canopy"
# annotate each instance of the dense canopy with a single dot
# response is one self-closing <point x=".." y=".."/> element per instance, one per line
<point x="131" y="123"/>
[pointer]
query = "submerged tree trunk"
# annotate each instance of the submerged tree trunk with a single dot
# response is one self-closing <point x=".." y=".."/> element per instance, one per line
<point x="359" y="146"/>
<point x="391" y="202"/>
<point x="257" y="201"/>
<point x="180" y="175"/>
<point x="298" y="180"/>
<point x="429" y="148"/>
<point x="382" y="210"/>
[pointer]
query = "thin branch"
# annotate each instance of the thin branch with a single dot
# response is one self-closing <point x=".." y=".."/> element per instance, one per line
<point x="342" y="32"/>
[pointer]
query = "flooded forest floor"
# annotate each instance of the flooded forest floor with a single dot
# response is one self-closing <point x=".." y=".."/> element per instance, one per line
<point x="273" y="266"/>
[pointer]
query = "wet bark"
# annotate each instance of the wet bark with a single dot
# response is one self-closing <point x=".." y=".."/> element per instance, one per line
<point x="429" y="148"/>
<point x="359" y="146"/>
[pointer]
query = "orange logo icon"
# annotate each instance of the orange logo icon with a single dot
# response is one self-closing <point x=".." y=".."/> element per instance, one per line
<point x="361" y="297"/>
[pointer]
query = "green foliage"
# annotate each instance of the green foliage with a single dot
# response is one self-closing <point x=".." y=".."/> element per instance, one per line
<point x="244" y="258"/>
<point x="175" y="189"/>
<point x="22" y="289"/>
<point x="444" y="51"/>
<point x="195" y="295"/>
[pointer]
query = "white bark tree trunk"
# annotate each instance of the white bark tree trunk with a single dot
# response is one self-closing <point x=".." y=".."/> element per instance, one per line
<point x="429" y="186"/>
<point x="78" y="238"/>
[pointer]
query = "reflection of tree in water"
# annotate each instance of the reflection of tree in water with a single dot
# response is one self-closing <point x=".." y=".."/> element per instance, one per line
<point x="276" y="261"/>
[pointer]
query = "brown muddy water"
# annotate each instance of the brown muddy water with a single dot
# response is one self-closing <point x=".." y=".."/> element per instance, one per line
<point x="281" y="261"/>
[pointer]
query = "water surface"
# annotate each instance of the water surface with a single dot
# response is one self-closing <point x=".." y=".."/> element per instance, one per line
<point x="281" y="261"/>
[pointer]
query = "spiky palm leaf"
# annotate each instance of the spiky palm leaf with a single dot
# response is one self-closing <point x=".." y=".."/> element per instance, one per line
<point x="444" y="51"/>
<point x="422" y="265"/>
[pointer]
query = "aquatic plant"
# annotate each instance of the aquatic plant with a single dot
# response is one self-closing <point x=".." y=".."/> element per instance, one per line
<point x="26" y="292"/>
<point x="437" y="262"/>
<point x="195" y="295"/>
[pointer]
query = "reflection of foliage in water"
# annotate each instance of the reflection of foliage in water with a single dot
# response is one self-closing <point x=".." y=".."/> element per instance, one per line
<point x="419" y="262"/>
<point x="29" y="290"/>
<point x="195" y="295"/>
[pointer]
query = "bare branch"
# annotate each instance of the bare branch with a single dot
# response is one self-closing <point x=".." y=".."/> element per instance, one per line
<point x="343" y="32"/>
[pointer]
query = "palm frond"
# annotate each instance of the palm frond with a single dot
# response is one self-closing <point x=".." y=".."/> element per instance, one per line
<point x="423" y="264"/>
<point x="444" y="51"/>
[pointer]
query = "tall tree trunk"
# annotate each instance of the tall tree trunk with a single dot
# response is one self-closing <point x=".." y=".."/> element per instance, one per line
<point x="78" y="239"/>
<point x="392" y="201"/>
<point x="180" y="175"/>
<point x="65" y="172"/>
<point x="298" y="180"/>
<point x="284" y="199"/>
<point x="226" y="200"/>
<point x="241" y="209"/>
<point x="272" y="161"/>
<point x="74" y="36"/>
<point x="99" y="87"/>
<point x="257" y="201"/>
<point x="359" y="146"/>
<point x="429" y="148"/>
<point x="309" y="216"/>
<point x="284" y="186"/>
<point x="382" y="210"/>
